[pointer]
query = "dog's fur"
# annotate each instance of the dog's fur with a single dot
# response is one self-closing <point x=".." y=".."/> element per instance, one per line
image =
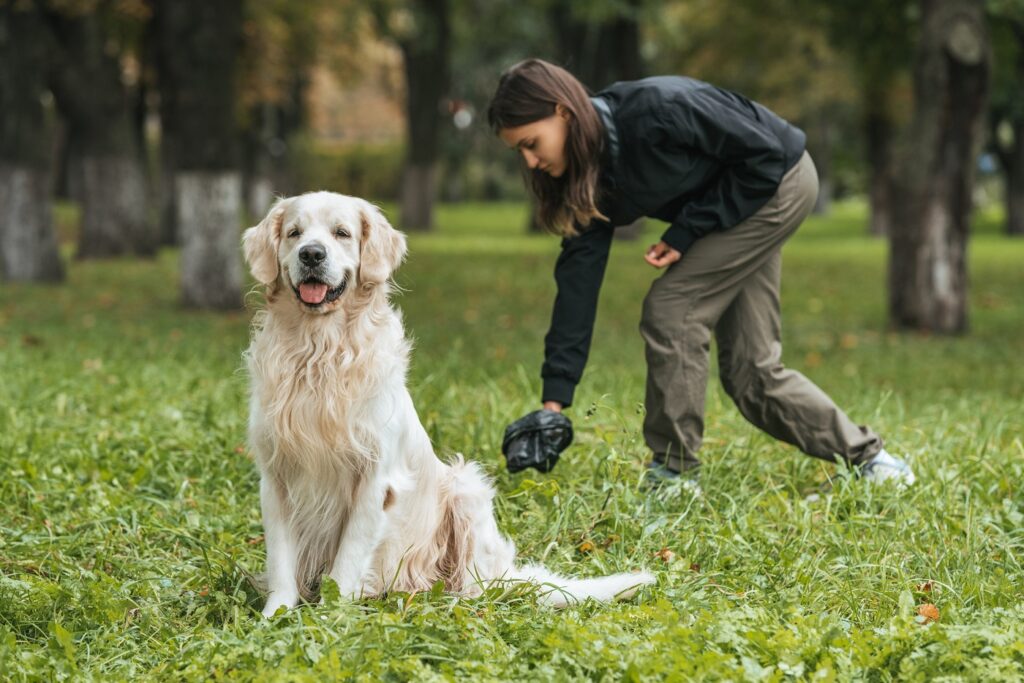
<point x="349" y="483"/>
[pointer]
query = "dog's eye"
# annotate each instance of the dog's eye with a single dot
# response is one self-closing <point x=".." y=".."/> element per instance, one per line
<point x="294" y="232"/>
<point x="341" y="233"/>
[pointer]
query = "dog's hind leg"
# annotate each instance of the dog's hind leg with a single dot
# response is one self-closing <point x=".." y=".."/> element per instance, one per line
<point x="282" y="554"/>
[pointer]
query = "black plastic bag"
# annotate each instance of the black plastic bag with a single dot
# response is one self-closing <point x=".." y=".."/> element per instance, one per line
<point x="536" y="440"/>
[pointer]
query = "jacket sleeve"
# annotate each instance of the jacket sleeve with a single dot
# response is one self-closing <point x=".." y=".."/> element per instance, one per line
<point x="578" y="274"/>
<point x="723" y="126"/>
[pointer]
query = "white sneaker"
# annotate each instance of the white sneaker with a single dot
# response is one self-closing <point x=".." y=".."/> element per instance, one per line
<point x="887" y="467"/>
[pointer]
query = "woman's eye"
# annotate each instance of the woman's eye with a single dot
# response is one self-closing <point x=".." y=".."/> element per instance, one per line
<point x="294" y="233"/>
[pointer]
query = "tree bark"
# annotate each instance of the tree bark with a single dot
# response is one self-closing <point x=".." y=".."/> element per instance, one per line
<point x="426" y="62"/>
<point x="198" y="44"/>
<point x="878" y="129"/>
<point x="599" y="53"/>
<point x="105" y="162"/>
<point x="1014" y="171"/>
<point x="209" y="205"/>
<point x="927" y="265"/>
<point x="28" y="243"/>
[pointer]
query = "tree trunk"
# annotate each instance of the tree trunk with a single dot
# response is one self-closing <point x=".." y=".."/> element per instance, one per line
<point x="927" y="265"/>
<point x="28" y="243"/>
<point x="209" y="205"/>
<point x="113" y="200"/>
<point x="599" y="53"/>
<point x="821" y="151"/>
<point x="106" y="166"/>
<point x="1014" y="172"/>
<point x="880" y="180"/>
<point x="198" y="44"/>
<point x="418" y="192"/>
<point x="426" y="62"/>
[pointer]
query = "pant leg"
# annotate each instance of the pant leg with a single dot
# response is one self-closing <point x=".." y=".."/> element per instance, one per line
<point x="684" y="305"/>
<point x="775" y="399"/>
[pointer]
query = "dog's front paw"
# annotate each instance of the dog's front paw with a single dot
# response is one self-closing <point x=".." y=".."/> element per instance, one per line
<point x="278" y="600"/>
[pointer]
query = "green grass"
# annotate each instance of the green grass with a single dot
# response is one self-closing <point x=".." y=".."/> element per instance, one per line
<point x="130" y="520"/>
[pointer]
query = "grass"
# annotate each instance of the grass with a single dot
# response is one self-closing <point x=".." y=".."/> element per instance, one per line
<point x="130" y="523"/>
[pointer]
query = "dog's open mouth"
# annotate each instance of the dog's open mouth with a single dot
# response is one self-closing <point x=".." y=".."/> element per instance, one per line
<point x="315" y="293"/>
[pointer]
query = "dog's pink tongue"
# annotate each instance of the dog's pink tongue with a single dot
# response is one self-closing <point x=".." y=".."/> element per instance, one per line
<point x="312" y="292"/>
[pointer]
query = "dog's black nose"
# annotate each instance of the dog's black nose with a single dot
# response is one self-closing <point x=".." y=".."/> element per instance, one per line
<point x="312" y="254"/>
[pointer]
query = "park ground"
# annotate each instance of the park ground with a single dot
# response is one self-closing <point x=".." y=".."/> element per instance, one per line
<point x="130" y="528"/>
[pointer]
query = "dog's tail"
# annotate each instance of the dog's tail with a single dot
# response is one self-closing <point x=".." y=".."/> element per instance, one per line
<point x="561" y="591"/>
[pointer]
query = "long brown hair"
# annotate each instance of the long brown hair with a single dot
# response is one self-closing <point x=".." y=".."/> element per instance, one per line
<point x="529" y="91"/>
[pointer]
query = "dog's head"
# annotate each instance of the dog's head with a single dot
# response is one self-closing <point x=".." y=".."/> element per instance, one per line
<point x="318" y="246"/>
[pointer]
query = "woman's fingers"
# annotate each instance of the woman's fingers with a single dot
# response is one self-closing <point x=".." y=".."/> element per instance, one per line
<point x="660" y="255"/>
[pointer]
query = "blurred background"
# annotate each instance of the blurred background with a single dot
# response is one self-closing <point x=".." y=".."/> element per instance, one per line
<point x="156" y="123"/>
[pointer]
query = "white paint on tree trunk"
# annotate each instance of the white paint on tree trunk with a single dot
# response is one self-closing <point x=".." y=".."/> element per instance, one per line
<point x="114" y="201"/>
<point x="209" y="220"/>
<point x="259" y="197"/>
<point x="28" y="243"/>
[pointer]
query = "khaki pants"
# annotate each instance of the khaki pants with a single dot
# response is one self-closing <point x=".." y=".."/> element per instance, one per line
<point x="728" y="282"/>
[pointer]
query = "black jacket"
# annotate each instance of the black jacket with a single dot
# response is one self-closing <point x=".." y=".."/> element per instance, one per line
<point x="677" y="149"/>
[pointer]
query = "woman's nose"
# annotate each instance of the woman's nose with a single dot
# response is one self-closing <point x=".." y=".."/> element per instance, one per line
<point x="530" y="158"/>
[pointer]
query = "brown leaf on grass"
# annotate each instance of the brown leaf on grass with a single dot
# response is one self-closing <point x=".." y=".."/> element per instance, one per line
<point x="255" y="541"/>
<point x="694" y="567"/>
<point x="925" y="587"/>
<point x="240" y="448"/>
<point x="929" y="612"/>
<point x="586" y="547"/>
<point x="665" y="555"/>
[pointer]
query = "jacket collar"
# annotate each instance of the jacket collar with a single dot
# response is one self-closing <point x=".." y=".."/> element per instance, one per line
<point x="604" y="112"/>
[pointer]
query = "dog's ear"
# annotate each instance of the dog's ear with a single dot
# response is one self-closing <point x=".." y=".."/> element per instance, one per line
<point x="260" y="244"/>
<point x="382" y="247"/>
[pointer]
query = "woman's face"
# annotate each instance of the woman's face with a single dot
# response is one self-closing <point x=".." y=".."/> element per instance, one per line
<point x="542" y="143"/>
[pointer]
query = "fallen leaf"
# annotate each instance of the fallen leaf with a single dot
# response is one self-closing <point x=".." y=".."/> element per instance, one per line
<point x="665" y="555"/>
<point x="255" y="541"/>
<point x="929" y="612"/>
<point x="925" y="587"/>
<point x="694" y="567"/>
<point x="586" y="547"/>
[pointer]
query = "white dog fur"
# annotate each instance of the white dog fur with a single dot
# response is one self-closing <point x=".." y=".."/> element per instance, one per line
<point x="349" y="482"/>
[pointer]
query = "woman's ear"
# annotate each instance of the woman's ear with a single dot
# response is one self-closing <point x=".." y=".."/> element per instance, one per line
<point x="563" y="112"/>
<point x="260" y="244"/>
<point x="381" y="249"/>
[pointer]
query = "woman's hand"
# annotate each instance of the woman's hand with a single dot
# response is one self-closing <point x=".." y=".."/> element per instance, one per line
<point x="660" y="255"/>
<point x="553" y="405"/>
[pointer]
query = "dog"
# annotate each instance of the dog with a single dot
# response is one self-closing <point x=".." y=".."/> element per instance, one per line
<point x="349" y="482"/>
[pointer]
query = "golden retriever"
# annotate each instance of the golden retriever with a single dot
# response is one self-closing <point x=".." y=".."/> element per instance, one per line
<point x="350" y="485"/>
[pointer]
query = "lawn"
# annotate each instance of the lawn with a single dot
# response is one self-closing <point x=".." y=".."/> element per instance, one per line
<point x="130" y="523"/>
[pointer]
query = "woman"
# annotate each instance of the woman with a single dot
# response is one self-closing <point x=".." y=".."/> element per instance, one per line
<point x="734" y="182"/>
